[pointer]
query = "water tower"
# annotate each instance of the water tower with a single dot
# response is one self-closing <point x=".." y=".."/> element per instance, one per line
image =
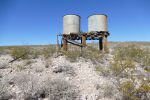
<point x="97" y="30"/>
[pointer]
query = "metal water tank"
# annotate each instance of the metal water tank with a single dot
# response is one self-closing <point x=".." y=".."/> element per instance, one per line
<point x="97" y="22"/>
<point x="71" y="24"/>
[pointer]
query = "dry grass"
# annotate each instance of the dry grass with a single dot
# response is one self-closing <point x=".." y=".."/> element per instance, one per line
<point x="125" y="58"/>
<point x="59" y="89"/>
<point x="130" y="92"/>
<point x="3" y="65"/>
<point x="49" y="51"/>
<point x="28" y="84"/>
<point x="20" y="52"/>
<point x="67" y="69"/>
<point x="4" y="92"/>
<point x="90" y="53"/>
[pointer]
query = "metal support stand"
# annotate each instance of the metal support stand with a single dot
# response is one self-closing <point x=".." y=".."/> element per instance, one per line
<point x="64" y="43"/>
<point x="72" y="37"/>
<point x="83" y="40"/>
<point x="101" y="43"/>
<point x="105" y="43"/>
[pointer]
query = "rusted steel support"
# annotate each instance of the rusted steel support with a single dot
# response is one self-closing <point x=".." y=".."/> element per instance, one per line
<point x="105" y="43"/>
<point x="101" y="36"/>
<point x="100" y="43"/>
<point x="83" y="40"/>
<point x="64" y="43"/>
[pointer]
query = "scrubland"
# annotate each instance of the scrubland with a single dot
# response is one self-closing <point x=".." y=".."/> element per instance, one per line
<point x="46" y="73"/>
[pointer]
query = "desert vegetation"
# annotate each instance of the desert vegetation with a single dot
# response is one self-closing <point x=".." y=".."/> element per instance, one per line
<point x="44" y="72"/>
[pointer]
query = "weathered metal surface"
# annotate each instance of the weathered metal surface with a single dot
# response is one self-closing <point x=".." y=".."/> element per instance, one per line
<point x="100" y="43"/>
<point x="70" y="38"/>
<point x="64" y="43"/>
<point x="97" y="23"/>
<point x="105" y="43"/>
<point x="89" y="36"/>
<point x="83" y="40"/>
<point x="74" y="43"/>
<point x="71" y="24"/>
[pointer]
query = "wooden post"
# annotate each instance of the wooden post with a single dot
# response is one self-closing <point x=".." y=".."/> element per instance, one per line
<point x="64" y="43"/>
<point x="83" y="40"/>
<point x="105" y="43"/>
<point x="58" y="46"/>
<point x="100" y="43"/>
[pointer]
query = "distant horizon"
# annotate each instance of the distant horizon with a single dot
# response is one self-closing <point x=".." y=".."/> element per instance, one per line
<point x="69" y="43"/>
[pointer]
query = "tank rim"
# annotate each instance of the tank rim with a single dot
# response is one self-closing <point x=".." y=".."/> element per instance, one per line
<point x="71" y="14"/>
<point x="97" y="14"/>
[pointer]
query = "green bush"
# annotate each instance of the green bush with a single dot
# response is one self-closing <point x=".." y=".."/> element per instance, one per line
<point x="20" y="68"/>
<point x="49" y="51"/>
<point x="58" y="89"/>
<point x="72" y="55"/>
<point x="88" y="53"/>
<point x="134" y="53"/>
<point x="20" y="52"/>
<point x="126" y="56"/>
<point x="130" y="92"/>
<point x="118" y="66"/>
<point x="4" y="91"/>
<point x="146" y="58"/>
<point x="102" y="71"/>
<point x="129" y="52"/>
<point x="35" y="54"/>
<point x="93" y="54"/>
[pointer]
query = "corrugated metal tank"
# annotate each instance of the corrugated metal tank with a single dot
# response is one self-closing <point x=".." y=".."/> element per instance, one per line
<point x="71" y="24"/>
<point x="97" y="22"/>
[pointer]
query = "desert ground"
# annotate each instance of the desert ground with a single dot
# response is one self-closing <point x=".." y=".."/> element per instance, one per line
<point x="48" y="73"/>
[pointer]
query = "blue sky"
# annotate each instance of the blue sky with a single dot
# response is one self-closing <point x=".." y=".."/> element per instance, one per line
<point x="31" y="22"/>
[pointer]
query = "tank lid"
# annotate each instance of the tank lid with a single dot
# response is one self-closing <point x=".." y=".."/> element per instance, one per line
<point x="97" y="14"/>
<point x="71" y="14"/>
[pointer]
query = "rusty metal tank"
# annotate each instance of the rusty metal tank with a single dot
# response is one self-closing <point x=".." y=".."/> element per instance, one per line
<point x="97" y="22"/>
<point x="71" y="24"/>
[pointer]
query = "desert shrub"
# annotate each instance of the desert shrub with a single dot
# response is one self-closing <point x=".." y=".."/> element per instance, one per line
<point x="59" y="89"/>
<point x="65" y="69"/>
<point x="118" y="67"/>
<point x="1" y="50"/>
<point x="20" y="52"/>
<point x="124" y="57"/>
<point x="108" y="91"/>
<point x="103" y="71"/>
<point x="49" y="51"/>
<point x="129" y="52"/>
<point x="130" y="92"/>
<point x="28" y="84"/>
<point x="134" y="53"/>
<point x="4" y="50"/>
<point x="48" y="62"/>
<point x="147" y="69"/>
<point x="3" y="65"/>
<point x="90" y="53"/>
<point x="93" y="54"/>
<point x="1" y="76"/>
<point x="20" y="68"/>
<point x="105" y="91"/>
<point x="4" y="92"/>
<point x="143" y="91"/>
<point x="32" y="89"/>
<point x="72" y="55"/>
<point x="35" y="54"/>
<point x="146" y="58"/>
<point x="28" y="62"/>
<point x="39" y="69"/>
